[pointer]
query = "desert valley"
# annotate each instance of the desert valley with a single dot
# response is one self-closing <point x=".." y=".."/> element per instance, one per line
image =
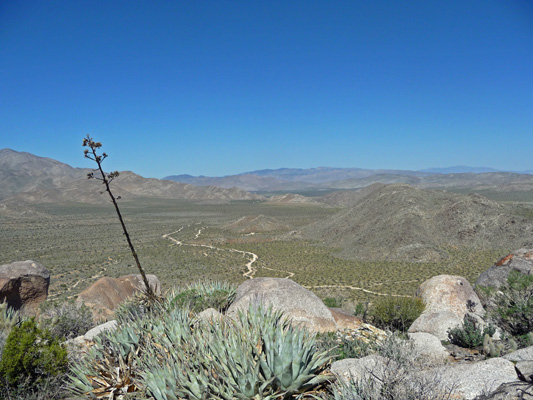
<point x="347" y="234"/>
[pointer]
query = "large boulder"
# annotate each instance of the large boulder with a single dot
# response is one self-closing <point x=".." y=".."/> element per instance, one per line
<point x="24" y="285"/>
<point x="300" y="305"/>
<point x="496" y="276"/>
<point x="448" y="299"/>
<point x="103" y="296"/>
<point x="470" y="380"/>
<point x="362" y="369"/>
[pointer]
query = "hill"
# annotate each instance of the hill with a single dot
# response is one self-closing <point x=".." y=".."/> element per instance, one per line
<point x="407" y="223"/>
<point x="26" y="178"/>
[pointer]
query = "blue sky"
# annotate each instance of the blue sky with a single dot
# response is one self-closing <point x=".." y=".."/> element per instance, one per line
<point x="223" y="87"/>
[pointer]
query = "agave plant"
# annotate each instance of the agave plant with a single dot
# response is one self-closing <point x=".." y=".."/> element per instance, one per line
<point x="202" y="295"/>
<point x="258" y="356"/>
<point x="9" y="317"/>
<point x="111" y="367"/>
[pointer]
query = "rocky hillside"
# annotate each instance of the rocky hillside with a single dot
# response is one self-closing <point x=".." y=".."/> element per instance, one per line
<point x="24" y="172"/>
<point x="403" y="222"/>
<point x="31" y="179"/>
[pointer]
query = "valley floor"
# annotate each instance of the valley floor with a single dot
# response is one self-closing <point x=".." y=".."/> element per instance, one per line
<point x="182" y="242"/>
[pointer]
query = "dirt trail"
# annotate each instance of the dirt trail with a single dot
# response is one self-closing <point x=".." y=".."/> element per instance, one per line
<point x="355" y="288"/>
<point x="250" y="271"/>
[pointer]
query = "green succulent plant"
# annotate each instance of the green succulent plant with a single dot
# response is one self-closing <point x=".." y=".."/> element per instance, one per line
<point x="9" y="317"/>
<point x="257" y="356"/>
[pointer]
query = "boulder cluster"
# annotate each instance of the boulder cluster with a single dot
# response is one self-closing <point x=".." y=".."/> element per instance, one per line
<point x="448" y="300"/>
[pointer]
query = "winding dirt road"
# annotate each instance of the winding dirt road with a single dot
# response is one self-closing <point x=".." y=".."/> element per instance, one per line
<point x="355" y="288"/>
<point x="250" y="271"/>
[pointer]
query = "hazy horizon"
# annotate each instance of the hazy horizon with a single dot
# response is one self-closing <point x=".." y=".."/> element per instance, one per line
<point x="221" y="88"/>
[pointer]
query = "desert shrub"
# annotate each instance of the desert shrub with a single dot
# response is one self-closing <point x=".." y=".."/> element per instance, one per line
<point x="9" y="318"/>
<point x="202" y="295"/>
<point x="400" y="386"/>
<point x="497" y="348"/>
<point x="333" y="302"/>
<point x="49" y="388"/>
<point x="31" y="359"/>
<point x="511" y="305"/>
<point x="513" y="310"/>
<point x="341" y="346"/>
<point x="471" y="334"/>
<point x="524" y="340"/>
<point x="3" y="338"/>
<point x="330" y="302"/>
<point x="257" y="356"/>
<point x="361" y="310"/>
<point x="66" y="320"/>
<point x="396" y="313"/>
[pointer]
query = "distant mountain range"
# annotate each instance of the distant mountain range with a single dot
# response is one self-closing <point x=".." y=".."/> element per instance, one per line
<point x="325" y="178"/>
<point x="27" y="178"/>
<point x="461" y="169"/>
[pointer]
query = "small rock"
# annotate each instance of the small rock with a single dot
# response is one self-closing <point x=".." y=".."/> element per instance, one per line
<point x="429" y="347"/>
<point x="436" y="323"/>
<point x="344" y="320"/>
<point x="97" y="330"/>
<point x="209" y="315"/>
<point x="366" y="333"/>
<point x="525" y="354"/>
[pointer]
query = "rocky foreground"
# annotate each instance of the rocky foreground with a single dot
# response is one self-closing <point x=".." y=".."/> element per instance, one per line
<point x="435" y="364"/>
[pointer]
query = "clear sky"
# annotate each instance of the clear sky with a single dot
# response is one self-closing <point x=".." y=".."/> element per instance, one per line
<point x="223" y="87"/>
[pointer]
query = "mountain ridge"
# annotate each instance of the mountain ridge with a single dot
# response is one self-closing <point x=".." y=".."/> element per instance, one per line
<point x="27" y="178"/>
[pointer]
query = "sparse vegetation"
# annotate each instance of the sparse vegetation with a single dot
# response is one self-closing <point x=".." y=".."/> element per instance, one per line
<point x="471" y="335"/>
<point x="202" y="295"/>
<point x="341" y="346"/>
<point x="66" y="320"/>
<point x="77" y="243"/>
<point x="511" y="306"/>
<point x="396" y="313"/>
<point x="394" y="379"/>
